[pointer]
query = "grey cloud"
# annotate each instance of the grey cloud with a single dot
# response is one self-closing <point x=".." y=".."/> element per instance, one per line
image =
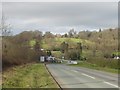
<point x="89" y="14"/>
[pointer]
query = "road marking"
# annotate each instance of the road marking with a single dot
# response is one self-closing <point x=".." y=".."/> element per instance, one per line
<point x="88" y="75"/>
<point x="111" y="84"/>
<point x="75" y="71"/>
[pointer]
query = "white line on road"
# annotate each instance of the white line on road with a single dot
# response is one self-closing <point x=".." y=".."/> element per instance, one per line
<point x="111" y="84"/>
<point x="88" y="75"/>
<point x="75" y="71"/>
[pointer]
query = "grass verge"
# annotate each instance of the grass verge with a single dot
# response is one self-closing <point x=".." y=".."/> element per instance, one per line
<point x="94" y="66"/>
<point x="28" y="76"/>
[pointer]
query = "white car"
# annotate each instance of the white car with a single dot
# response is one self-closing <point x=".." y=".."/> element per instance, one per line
<point x="72" y="62"/>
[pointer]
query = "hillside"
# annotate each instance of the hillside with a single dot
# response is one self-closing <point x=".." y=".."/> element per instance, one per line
<point x="94" y="44"/>
<point x="104" y="42"/>
<point x="54" y="44"/>
<point x="104" y="39"/>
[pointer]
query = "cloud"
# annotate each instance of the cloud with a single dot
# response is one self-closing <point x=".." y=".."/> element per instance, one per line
<point x="0" y="11"/>
<point x="56" y="17"/>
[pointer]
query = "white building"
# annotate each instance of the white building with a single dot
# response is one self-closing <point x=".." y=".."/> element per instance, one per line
<point x="42" y="58"/>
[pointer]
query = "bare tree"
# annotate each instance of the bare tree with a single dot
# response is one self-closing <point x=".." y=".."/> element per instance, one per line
<point x="5" y="29"/>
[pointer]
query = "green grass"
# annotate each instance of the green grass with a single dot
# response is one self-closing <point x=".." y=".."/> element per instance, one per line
<point x="96" y="67"/>
<point x="28" y="76"/>
<point x="116" y="53"/>
<point x="56" y="42"/>
<point x="73" y="40"/>
<point x="57" y="54"/>
<point x="32" y="43"/>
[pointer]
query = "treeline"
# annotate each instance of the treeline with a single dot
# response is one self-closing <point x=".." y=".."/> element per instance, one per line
<point x="106" y="41"/>
<point x="16" y="49"/>
<point x="71" y="53"/>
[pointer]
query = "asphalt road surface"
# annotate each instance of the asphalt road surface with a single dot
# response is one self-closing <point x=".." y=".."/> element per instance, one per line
<point x="79" y="77"/>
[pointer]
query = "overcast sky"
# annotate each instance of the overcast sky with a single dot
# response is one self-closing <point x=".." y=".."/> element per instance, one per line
<point x="60" y="17"/>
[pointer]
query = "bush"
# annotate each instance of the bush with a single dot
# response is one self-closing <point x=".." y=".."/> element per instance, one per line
<point x="16" y="53"/>
<point x="73" y="55"/>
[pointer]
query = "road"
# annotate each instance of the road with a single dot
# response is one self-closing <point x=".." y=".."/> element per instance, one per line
<point x="79" y="77"/>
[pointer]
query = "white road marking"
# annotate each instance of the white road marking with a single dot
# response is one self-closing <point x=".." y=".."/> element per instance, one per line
<point x="75" y="71"/>
<point x="88" y="75"/>
<point x="111" y="84"/>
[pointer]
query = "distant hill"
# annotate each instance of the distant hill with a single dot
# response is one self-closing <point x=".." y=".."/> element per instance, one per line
<point x="103" y="42"/>
<point x="26" y="45"/>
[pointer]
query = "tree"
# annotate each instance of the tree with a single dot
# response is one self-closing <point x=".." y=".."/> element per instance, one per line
<point x="37" y="49"/>
<point x="38" y="35"/>
<point x="89" y="34"/>
<point x="64" y="49"/>
<point x="49" y="53"/>
<point x="5" y="28"/>
<point x="37" y="46"/>
<point x="100" y="30"/>
<point x="48" y="35"/>
<point x="78" y="50"/>
<point x="66" y="35"/>
<point x="72" y="54"/>
<point x="110" y="29"/>
<point x="71" y="33"/>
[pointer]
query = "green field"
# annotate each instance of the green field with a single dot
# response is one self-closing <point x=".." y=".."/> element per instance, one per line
<point x="28" y="76"/>
<point x="51" y="43"/>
